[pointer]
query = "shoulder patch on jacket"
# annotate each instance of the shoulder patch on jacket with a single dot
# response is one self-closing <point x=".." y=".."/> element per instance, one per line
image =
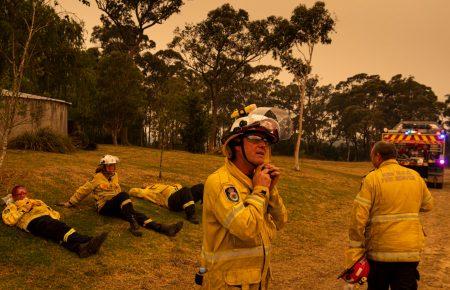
<point x="232" y="193"/>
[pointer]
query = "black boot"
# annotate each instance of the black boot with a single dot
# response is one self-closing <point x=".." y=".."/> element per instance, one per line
<point x="172" y="229"/>
<point x="93" y="246"/>
<point x="190" y="214"/>
<point x="193" y="219"/>
<point x="169" y="230"/>
<point x="128" y="214"/>
<point x="134" y="227"/>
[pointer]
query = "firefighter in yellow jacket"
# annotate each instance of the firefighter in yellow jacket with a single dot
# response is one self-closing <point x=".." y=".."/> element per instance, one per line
<point x="173" y="197"/>
<point x="385" y="225"/>
<point x="34" y="216"/>
<point x="242" y="208"/>
<point x="112" y="201"/>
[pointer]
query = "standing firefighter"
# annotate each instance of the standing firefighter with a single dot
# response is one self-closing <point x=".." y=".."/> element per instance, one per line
<point x="34" y="216"/>
<point x="385" y="226"/>
<point x="172" y="196"/>
<point x="112" y="201"/>
<point x="242" y="209"/>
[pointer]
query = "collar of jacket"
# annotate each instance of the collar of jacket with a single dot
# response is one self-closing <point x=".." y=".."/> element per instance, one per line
<point x="388" y="162"/>
<point x="237" y="173"/>
<point x="108" y="178"/>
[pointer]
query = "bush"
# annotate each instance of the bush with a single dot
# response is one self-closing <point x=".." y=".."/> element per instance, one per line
<point x="42" y="140"/>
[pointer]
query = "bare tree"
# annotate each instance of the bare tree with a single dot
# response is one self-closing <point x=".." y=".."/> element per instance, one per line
<point x="18" y="58"/>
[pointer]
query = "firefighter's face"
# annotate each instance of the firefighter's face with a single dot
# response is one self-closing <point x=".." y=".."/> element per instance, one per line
<point x="256" y="147"/>
<point x="110" y="168"/>
<point x="20" y="194"/>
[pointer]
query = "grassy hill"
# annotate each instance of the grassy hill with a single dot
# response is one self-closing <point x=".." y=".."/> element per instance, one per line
<point x="308" y="252"/>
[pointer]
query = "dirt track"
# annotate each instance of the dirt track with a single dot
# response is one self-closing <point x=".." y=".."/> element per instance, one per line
<point x="435" y="265"/>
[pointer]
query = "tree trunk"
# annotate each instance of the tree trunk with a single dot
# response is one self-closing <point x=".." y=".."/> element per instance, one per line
<point x="348" y="151"/>
<point x="300" y="122"/>
<point x="161" y="144"/>
<point x="213" y="131"/>
<point x="114" y="134"/>
<point x="4" y="146"/>
<point x="17" y="76"/>
<point x="124" y="136"/>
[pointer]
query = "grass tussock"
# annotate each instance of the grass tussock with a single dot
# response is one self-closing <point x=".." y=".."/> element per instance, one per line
<point x="43" y="139"/>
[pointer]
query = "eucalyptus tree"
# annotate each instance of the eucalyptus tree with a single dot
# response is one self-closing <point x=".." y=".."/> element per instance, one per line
<point x="294" y="41"/>
<point x="165" y="88"/>
<point x="124" y="22"/>
<point x="317" y="120"/>
<point x="252" y="84"/>
<point x="217" y="49"/>
<point x="413" y="100"/>
<point x="119" y="98"/>
<point x="124" y="26"/>
<point x="446" y="110"/>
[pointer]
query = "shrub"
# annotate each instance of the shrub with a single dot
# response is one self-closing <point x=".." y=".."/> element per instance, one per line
<point x="42" y="140"/>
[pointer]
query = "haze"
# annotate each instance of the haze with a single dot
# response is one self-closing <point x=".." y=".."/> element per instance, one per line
<point x="385" y="37"/>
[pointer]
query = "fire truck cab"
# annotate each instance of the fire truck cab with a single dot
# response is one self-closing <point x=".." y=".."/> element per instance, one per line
<point x="421" y="147"/>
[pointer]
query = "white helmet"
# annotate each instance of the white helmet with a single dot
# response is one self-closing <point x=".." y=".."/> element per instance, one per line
<point x="275" y="123"/>
<point x="109" y="159"/>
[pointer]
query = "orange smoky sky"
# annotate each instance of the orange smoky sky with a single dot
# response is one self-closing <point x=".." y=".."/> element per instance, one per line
<point x="384" y="37"/>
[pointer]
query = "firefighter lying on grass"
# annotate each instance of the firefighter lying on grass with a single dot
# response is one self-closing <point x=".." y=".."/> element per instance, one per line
<point x="173" y="197"/>
<point x="112" y="201"/>
<point x="34" y="216"/>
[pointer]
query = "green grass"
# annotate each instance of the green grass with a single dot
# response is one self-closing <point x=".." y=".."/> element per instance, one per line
<point x="307" y="252"/>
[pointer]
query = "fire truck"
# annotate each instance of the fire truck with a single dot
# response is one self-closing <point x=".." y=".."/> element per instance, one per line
<point x="421" y="147"/>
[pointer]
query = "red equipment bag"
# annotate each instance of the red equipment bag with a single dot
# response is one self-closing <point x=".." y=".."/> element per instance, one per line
<point x="358" y="273"/>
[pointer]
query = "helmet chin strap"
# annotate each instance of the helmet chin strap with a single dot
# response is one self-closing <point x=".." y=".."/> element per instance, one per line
<point x="245" y="155"/>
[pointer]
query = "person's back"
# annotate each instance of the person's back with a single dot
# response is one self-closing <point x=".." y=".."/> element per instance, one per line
<point x="394" y="231"/>
<point x="385" y="227"/>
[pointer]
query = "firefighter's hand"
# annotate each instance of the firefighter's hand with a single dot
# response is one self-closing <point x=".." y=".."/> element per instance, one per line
<point x="274" y="173"/>
<point x="28" y="206"/>
<point x="64" y="204"/>
<point x="261" y="177"/>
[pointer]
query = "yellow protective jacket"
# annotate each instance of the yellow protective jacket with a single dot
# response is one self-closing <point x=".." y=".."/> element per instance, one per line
<point x="385" y="221"/>
<point x="101" y="188"/>
<point x="17" y="214"/>
<point x="157" y="193"/>
<point x="239" y="223"/>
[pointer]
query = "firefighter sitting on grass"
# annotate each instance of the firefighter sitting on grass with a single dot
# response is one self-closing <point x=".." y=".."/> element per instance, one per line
<point x="34" y="216"/>
<point x="174" y="197"/>
<point x="112" y="201"/>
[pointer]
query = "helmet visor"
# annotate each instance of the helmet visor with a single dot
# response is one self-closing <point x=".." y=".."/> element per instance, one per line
<point x="280" y="118"/>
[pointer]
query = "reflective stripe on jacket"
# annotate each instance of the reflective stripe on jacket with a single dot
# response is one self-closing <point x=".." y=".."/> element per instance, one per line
<point x="239" y="222"/>
<point x="385" y="222"/>
<point x="157" y="193"/>
<point x="101" y="188"/>
<point x="17" y="214"/>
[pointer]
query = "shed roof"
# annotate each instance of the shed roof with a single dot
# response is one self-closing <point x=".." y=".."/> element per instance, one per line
<point x="35" y="97"/>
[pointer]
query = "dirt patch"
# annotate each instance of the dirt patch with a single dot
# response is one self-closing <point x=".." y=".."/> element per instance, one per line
<point x="435" y="265"/>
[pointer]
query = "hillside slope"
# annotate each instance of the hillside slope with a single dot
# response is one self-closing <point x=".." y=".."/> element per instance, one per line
<point x="307" y="254"/>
